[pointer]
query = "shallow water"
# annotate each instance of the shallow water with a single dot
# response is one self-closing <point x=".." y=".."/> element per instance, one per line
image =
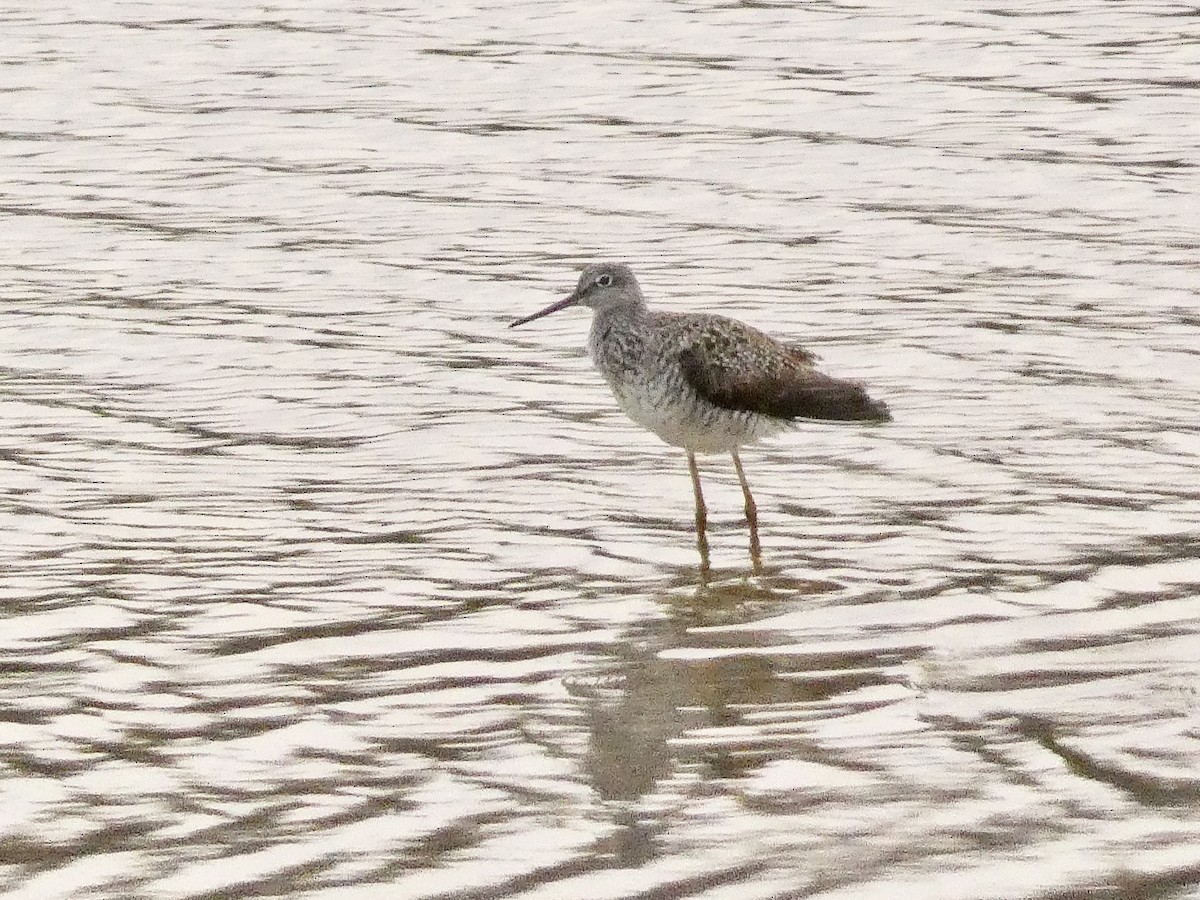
<point x="320" y="582"/>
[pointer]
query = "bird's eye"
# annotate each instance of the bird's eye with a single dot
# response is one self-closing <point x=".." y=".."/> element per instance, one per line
<point x="604" y="280"/>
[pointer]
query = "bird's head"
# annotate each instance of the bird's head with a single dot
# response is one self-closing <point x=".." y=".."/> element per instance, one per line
<point x="605" y="285"/>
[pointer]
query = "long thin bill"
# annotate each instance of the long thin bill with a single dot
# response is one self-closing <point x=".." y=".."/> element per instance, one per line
<point x="552" y="308"/>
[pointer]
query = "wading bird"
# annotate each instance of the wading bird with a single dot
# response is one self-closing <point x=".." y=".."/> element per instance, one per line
<point x="703" y="382"/>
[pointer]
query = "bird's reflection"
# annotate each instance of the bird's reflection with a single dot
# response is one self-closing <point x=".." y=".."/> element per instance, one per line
<point x="645" y="699"/>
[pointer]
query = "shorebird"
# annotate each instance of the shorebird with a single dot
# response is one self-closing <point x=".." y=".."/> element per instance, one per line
<point x="703" y="382"/>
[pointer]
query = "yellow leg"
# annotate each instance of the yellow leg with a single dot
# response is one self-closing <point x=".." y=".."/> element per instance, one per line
<point x="701" y="513"/>
<point x="751" y="515"/>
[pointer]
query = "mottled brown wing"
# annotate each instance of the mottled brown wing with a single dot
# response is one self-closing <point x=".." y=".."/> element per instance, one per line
<point x="803" y="353"/>
<point x="737" y="367"/>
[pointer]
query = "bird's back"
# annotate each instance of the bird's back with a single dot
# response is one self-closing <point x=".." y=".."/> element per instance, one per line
<point x="739" y="368"/>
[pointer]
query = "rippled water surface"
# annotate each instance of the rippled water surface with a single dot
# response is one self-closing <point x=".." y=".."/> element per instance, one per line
<point x="319" y="582"/>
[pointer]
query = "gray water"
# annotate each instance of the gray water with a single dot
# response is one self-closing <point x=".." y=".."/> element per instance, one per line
<point x="319" y="582"/>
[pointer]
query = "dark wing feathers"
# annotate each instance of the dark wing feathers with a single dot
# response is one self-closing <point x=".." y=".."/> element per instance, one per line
<point x="737" y="367"/>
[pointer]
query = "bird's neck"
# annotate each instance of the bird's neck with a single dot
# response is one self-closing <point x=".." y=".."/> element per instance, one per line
<point x="618" y="336"/>
<point x="628" y="314"/>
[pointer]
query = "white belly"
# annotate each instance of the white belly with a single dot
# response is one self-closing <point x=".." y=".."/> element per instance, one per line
<point x="692" y="423"/>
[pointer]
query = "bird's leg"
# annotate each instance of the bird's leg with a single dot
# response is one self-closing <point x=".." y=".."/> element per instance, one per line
<point x="701" y="514"/>
<point x="751" y="516"/>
